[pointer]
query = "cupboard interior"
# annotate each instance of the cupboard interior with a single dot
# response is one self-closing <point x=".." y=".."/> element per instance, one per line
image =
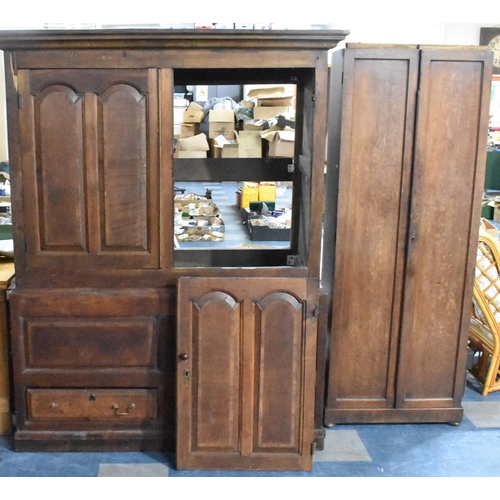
<point x="191" y="174"/>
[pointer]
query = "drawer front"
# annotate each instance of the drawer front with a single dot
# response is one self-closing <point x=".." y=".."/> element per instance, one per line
<point x="91" y="342"/>
<point x="97" y="405"/>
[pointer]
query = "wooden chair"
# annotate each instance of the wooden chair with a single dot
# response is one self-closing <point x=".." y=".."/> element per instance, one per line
<point x="484" y="331"/>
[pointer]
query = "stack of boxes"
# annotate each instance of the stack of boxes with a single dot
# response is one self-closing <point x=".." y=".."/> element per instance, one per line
<point x="192" y="144"/>
<point x="255" y="192"/>
<point x="271" y="103"/>
<point x="191" y="119"/>
<point x="260" y="122"/>
<point x="226" y="142"/>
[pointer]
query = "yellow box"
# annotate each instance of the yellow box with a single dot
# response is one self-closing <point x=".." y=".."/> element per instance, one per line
<point x="249" y="192"/>
<point x="267" y="191"/>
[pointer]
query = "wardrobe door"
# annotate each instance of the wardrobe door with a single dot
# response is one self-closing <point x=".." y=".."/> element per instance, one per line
<point x="89" y="150"/>
<point x="379" y="94"/>
<point x="246" y="370"/>
<point x="445" y="209"/>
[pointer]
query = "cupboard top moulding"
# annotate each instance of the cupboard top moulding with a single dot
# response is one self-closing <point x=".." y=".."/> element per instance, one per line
<point x="168" y="48"/>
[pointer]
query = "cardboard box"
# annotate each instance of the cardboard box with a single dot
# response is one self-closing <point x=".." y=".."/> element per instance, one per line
<point x="254" y="125"/>
<point x="490" y="228"/>
<point x="249" y="144"/>
<point x="249" y="192"/>
<point x="230" y="151"/>
<point x="193" y="114"/>
<point x="276" y="101"/>
<point x="267" y="93"/>
<point x="189" y="130"/>
<point x="224" y="148"/>
<point x="221" y="122"/>
<point x="283" y="144"/>
<point x="267" y="191"/>
<point x="265" y="233"/>
<point x="191" y="154"/>
<point x="496" y="214"/>
<point x="268" y="112"/>
<point x="196" y="143"/>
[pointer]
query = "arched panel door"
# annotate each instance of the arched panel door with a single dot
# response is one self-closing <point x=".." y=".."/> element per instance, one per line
<point x="89" y="143"/>
<point x="246" y="369"/>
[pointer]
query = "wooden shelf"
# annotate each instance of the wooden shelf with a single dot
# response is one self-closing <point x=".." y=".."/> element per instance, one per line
<point x="232" y="169"/>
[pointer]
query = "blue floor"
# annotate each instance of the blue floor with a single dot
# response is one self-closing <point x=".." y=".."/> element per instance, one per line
<point x="372" y="451"/>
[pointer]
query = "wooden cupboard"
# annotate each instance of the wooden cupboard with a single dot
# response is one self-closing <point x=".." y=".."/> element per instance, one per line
<point x="97" y="312"/>
<point x="399" y="252"/>
<point x="237" y="339"/>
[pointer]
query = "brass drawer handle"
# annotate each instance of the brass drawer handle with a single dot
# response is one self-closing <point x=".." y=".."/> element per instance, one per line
<point x="129" y="409"/>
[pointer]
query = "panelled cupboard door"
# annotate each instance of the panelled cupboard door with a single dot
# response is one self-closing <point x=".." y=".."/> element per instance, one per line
<point x="246" y="373"/>
<point x="89" y="155"/>
<point x="378" y="116"/>
<point x="447" y="187"/>
<point x="411" y="177"/>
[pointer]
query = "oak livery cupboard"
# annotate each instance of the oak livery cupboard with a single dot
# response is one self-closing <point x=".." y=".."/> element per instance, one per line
<point x="124" y="341"/>
<point x="110" y="320"/>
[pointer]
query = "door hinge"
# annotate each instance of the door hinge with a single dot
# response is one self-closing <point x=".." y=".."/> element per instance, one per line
<point x="19" y="101"/>
<point x="313" y="447"/>
<point x="291" y="168"/>
<point x="313" y="99"/>
<point x="291" y="260"/>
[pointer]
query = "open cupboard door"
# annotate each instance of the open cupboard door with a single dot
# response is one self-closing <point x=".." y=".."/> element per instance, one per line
<point x="246" y="355"/>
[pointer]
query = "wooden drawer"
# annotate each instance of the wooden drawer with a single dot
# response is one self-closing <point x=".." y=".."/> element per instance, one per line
<point x="95" y="405"/>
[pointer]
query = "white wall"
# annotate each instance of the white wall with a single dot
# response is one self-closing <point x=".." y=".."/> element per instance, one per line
<point x="414" y="33"/>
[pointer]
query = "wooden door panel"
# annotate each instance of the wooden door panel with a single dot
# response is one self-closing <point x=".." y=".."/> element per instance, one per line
<point x="216" y="347"/>
<point x="277" y="413"/>
<point x="90" y="160"/>
<point x="59" y="141"/>
<point x="451" y="131"/>
<point x="123" y="169"/>
<point x="246" y="387"/>
<point x="377" y="129"/>
<point x="89" y="343"/>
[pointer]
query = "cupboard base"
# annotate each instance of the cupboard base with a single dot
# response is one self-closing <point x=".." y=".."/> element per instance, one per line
<point x="53" y="441"/>
<point x="394" y="416"/>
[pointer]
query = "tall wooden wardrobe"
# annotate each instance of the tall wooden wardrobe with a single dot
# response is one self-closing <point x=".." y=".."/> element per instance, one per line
<point x="407" y="148"/>
<point x="120" y="340"/>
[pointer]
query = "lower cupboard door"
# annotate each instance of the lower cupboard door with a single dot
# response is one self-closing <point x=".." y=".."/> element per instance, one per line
<point x="245" y="373"/>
